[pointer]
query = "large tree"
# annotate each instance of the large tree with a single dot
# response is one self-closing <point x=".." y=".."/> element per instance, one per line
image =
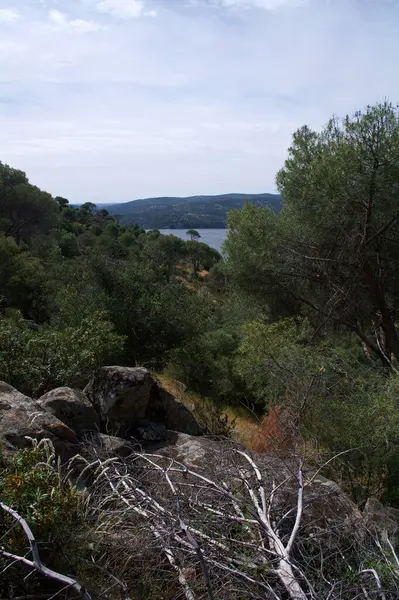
<point x="333" y="253"/>
<point x="24" y="209"/>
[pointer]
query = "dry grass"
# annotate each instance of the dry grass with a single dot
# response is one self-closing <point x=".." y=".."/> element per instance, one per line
<point x="243" y="425"/>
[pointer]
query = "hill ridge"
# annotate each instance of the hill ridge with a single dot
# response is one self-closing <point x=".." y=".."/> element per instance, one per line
<point x="179" y="212"/>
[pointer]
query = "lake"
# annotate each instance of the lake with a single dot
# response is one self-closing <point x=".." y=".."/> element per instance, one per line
<point x="212" y="237"/>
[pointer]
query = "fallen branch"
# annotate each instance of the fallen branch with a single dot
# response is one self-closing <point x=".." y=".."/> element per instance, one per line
<point x="36" y="563"/>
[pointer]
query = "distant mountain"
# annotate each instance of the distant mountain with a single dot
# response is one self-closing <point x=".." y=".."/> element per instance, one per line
<point x="196" y="212"/>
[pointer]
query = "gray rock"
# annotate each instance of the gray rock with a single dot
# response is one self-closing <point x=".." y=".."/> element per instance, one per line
<point x="196" y="452"/>
<point x="381" y="520"/>
<point x="150" y="431"/>
<point x="72" y="408"/>
<point x="112" y="446"/>
<point x="21" y="418"/>
<point x="164" y="408"/>
<point x="120" y="395"/>
<point x="123" y="396"/>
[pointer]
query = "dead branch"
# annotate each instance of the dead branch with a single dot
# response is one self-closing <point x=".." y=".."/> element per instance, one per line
<point x="36" y="563"/>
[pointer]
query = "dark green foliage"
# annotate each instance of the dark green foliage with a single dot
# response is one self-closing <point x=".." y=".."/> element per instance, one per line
<point x="24" y="209"/>
<point x="328" y="262"/>
<point x="194" y="235"/>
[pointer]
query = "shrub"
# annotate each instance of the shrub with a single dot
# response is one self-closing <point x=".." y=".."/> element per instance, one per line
<point x="35" y="361"/>
<point x="53" y="509"/>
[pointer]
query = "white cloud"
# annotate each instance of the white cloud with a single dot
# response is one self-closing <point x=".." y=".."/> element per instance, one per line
<point x="9" y="15"/>
<point x="58" y="19"/>
<point x="122" y="9"/>
<point x="190" y="102"/>
<point x="261" y="4"/>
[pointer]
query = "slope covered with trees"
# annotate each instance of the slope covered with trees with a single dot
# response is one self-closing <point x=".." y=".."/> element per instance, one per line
<point x="69" y="274"/>
<point x="193" y="212"/>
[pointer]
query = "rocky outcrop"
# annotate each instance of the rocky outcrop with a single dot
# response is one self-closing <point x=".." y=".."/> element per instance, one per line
<point x="382" y="520"/>
<point x="72" y="408"/>
<point x="21" y="418"/>
<point x="125" y="396"/>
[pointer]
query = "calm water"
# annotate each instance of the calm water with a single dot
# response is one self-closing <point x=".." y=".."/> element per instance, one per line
<point x="212" y="237"/>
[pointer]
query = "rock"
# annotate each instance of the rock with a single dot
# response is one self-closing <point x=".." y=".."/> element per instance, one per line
<point x="124" y="396"/>
<point x="22" y="418"/>
<point x="112" y="446"/>
<point x="195" y="452"/>
<point x="164" y="408"/>
<point x="330" y="515"/>
<point x="381" y="520"/>
<point x="120" y="395"/>
<point x="72" y="408"/>
<point x="149" y="431"/>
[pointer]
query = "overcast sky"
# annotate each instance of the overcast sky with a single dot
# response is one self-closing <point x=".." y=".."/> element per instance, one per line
<point x="112" y="100"/>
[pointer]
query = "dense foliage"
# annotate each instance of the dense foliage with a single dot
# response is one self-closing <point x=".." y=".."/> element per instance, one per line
<point x="324" y="274"/>
<point x="77" y="290"/>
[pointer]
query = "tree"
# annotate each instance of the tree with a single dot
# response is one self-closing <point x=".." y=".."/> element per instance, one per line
<point x="62" y="202"/>
<point x="333" y="253"/>
<point x="37" y="361"/>
<point x="22" y="280"/>
<point x="194" y="235"/>
<point x="166" y="252"/>
<point x="200" y="254"/>
<point x="25" y="210"/>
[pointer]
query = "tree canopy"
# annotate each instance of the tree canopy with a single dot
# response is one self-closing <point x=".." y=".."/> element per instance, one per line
<point x="332" y="254"/>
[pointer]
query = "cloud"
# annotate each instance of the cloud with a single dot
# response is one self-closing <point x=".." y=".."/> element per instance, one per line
<point x="9" y="15"/>
<point x="58" y="19"/>
<point x="122" y="9"/>
<point x="194" y="101"/>
<point x="261" y="4"/>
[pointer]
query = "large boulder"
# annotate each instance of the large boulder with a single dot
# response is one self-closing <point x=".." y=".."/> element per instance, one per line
<point x="22" y="418"/>
<point x="72" y="408"/>
<point x="125" y="396"/>
<point x="120" y="395"/>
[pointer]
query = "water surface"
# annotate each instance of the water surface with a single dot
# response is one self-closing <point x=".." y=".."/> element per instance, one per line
<point x="212" y="237"/>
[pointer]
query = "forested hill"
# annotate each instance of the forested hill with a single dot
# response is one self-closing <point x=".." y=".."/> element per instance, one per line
<point x="191" y="212"/>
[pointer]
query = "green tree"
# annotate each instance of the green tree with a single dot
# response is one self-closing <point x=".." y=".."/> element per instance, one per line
<point x="201" y="255"/>
<point x="22" y="280"/>
<point x="36" y="361"/>
<point x="25" y="210"/>
<point x="165" y="252"/>
<point x="156" y="317"/>
<point x="332" y="254"/>
<point x="62" y="202"/>
<point x="194" y="235"/>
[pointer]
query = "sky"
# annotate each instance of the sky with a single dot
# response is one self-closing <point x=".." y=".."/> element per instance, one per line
<point x="113" y="100"/>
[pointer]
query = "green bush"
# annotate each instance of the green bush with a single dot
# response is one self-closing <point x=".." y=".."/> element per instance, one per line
<point x="36" y="361"/>
<point x="53" y="509"/>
